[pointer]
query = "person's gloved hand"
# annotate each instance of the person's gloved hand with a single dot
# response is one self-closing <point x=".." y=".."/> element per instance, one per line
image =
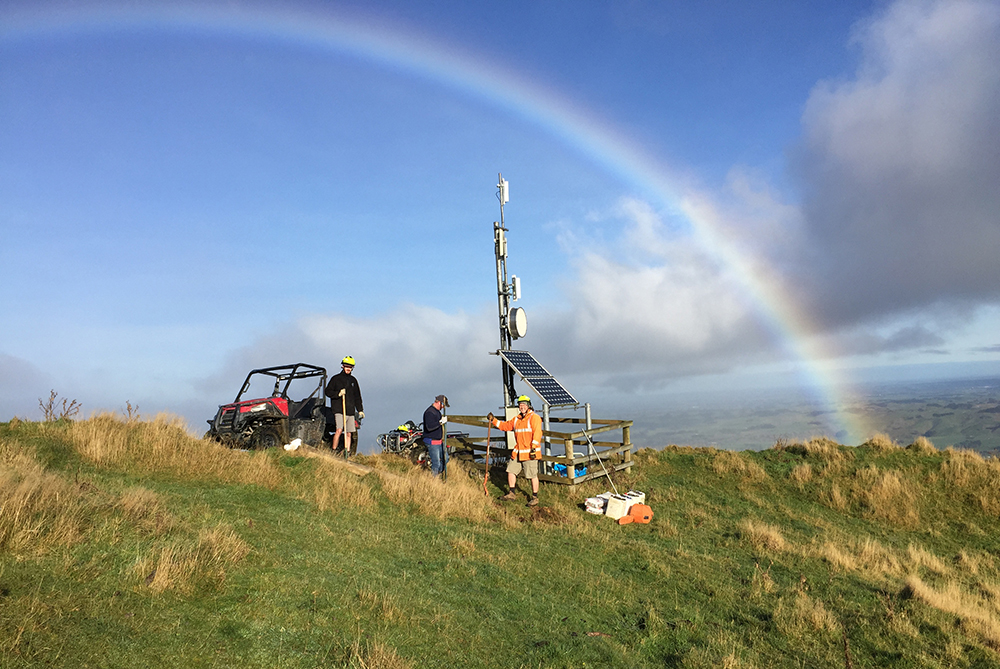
<point x="444" y="419"/>
<point x="490" y="417"/>
<point x="533" y="454"/>
<point x="361" y="414"/>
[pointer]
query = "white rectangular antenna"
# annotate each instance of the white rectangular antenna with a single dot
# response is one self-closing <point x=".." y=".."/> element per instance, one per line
<point x="504" y="191"/>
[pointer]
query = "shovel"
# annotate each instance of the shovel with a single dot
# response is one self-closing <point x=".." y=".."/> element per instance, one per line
<point x="343" y="405"/>
<point x="486" y="473"/>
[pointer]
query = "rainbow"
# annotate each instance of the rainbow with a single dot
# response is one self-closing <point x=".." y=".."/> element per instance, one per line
<point x="594" y="138"/>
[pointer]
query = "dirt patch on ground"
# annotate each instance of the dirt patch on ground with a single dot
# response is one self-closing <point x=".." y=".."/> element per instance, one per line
<point x="546" y="514"/>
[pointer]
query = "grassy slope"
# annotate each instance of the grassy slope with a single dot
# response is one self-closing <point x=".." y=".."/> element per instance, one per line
<point x="126" y="543"/>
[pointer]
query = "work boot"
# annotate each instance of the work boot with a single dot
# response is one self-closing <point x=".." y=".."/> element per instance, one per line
<point x="511" y="495"/>
<point x="533" y="501"/>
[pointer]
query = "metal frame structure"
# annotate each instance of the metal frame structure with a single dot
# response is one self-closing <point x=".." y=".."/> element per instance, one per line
<point x="552" y="394"/>
<point x="613" y="455"/>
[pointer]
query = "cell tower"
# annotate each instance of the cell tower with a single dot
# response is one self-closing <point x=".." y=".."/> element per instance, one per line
<point x="514" y="325"/>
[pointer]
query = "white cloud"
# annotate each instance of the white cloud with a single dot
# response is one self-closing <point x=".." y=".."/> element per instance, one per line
<point x="900" y="164"/>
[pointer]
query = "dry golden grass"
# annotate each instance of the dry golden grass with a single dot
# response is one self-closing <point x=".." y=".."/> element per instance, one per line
<point x="762" y="536"/>
<point x="867" y="557"/>
<point x="459" y="497"/>
<point x="886" y="495"/>
<point x="180" y="567"/>
<point x="881" y="443"/>
<point x="333" y="486"/>
<point x="375" y="655"/>
<point x="738" y="464"/>
<point x="971" y="563"/>
<point x="977" y="617"/>
<point x="834" y="498"/>
<point x="968" y="472"/>
<point x="923" y="446"/>
<point x="463" y="546"/>
<point x="146" y="510"/>
<point x="163" y="445"/>
<point x="820" y="448"/>
<point x="38" y="509"/>
<point x="804" y="615"/>
<point x="920" y="557"/>
<point x="801" y="474"/>
<point x="381" y="604"/>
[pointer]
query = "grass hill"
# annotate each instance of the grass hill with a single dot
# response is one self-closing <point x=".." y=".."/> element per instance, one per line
<point x="128" y="542"/>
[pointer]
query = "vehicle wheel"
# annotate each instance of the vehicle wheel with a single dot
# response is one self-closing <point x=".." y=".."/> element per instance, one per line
<point x="267" y="437"/>
<point x="419" y="456"/>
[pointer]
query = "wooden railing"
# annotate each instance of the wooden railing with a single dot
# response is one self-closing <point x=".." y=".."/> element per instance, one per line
<point x="578" y="450"/>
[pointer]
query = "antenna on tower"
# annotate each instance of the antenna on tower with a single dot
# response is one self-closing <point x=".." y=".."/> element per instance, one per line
<point x="513" y="321"/>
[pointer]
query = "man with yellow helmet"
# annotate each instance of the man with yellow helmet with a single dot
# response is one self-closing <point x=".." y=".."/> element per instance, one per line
<point x="345" y="396"/>
<point x="527" y="427"/>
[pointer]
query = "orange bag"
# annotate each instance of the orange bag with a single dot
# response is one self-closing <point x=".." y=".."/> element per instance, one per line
<point x="638" y="513"/>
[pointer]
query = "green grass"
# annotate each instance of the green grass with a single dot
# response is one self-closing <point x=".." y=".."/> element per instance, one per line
<point x="135" y="556"/>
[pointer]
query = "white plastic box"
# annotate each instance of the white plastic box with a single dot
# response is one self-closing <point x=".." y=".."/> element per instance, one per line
<point x="636" y="497"/>
<point x="618" y="505"/>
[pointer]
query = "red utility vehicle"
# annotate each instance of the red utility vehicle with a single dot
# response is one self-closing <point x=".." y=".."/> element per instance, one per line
<point x="273" y="420"/>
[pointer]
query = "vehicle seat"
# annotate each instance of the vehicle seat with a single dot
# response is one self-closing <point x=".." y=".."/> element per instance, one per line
<point x="304" y="408"/>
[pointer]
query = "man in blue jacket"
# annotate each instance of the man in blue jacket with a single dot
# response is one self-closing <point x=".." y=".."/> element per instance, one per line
<point x="434" y="427"/>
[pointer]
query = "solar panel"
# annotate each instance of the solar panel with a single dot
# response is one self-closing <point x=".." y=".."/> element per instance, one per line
<point x="536" y="376"/>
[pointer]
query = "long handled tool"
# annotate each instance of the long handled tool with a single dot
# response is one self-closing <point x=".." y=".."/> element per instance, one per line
<point x="343" y="405"/>
<point x="592" y="449"/>
<point x="444" y="450"/>
<point x="486" y="472"/>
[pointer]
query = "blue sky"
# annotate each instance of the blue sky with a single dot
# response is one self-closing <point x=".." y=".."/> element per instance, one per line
<point x="191" y="190"/>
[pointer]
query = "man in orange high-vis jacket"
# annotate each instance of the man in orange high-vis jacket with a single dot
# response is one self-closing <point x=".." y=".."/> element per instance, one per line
<point x="527" y="427"/>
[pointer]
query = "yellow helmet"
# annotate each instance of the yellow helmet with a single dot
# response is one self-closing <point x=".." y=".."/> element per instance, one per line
<point x="524" y="398"/>
<point x="349" y="360"/>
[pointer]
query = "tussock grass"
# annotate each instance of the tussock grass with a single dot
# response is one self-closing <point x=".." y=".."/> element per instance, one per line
<point x="147" y="510"/>
<point x="819" y="448"/>
<point x="738" y="464"/>
<point x="162" y="445"/>
<point x="801" y="614"/>
<point x="331" y="486"/>
<point x="977" y="617"/>
<point x="460" y="497"/>
<point x="867" y="556"/>
<point x="921" y="557"/>
<point x="834" y="498"/>
<point x="397" y="569"/>
<point x="373" y="654"/>
<point x="923" y="446"/>
<point x="38" y="509"/>
<point x="881" y="443"/>
<point x="970" y="562"/>
<point x="886" y="495"/>
<point x="182" y="566"/>
<point x="762" y="536"/>
<point x="801" y="474"/>
<point x="975" y="476"/>
<point x="383" y="605"/>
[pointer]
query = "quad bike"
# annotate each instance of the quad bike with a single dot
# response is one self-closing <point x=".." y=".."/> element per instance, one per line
<point x="267" y="422"/>
<point x="406" y="440"/>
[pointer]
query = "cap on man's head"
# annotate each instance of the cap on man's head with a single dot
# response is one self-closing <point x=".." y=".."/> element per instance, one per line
<point x="443" y="400"/>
